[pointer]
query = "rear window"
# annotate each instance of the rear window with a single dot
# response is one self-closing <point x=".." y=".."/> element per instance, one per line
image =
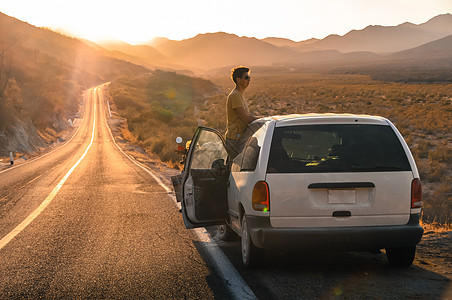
<point x="336" y="148"/>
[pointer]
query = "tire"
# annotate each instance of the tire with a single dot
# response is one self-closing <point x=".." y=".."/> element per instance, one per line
<point x="401" y="256"/>
<point x="225" y="233"/>
<point x="252" y="257"/>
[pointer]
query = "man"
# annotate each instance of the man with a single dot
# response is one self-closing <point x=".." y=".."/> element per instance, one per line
<point x="238" y="115"/>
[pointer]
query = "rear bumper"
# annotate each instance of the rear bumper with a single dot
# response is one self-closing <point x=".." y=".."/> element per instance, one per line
<point x="339" y="238"/>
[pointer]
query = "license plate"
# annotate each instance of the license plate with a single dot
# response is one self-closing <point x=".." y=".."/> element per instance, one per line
<point x="341" y="197"/>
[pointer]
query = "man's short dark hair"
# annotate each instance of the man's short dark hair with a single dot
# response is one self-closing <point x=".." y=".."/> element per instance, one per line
<point x="238" y="72"/>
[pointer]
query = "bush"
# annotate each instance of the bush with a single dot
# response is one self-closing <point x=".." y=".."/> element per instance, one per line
<point x="442" y="154"/>
<point x="438" y="205"/>
<point x="421" y="150"/>
<point x="161" y="106"/>
<point x="438" y="171"/>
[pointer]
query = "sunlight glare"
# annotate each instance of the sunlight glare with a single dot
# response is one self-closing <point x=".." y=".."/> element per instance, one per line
<point x="136" y="21"/>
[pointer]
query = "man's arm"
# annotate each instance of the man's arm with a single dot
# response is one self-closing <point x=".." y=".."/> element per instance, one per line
<point x="244" y="116"/>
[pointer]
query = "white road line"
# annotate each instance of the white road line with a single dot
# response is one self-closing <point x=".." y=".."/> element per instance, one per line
<point x="5" y="240"/>
<point x="234" y="282"/>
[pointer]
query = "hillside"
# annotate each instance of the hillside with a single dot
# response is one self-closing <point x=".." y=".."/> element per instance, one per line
<point x="211" y="50"/>
<point x="144" y="55"/>
<point x="161" y="105"/>
<point x="42" y="77"/>
<point x="385" y="39"/>
<point x="431" y="62"/>
<point x="281" y="42"/>
<point x="369" y="46"/>
<point x="437" y="50"/>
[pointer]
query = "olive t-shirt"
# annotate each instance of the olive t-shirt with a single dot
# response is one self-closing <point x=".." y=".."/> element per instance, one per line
<point x="236" y="126"/>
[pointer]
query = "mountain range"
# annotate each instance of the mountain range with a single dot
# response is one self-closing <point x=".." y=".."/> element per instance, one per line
<point x="427" y="45"/>
<point x="373" y="44"/>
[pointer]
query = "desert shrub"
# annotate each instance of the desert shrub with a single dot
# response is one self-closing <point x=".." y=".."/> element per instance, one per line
<point x="124" y="100"/>
<point x="160" y="113"/>
<point x="438" y="204"/>
<point x="157" y="146"/>
<point x="444" y="190"/>
<point x="421" y="150"/>
<point x="163" y="105"/>
<point x="438" y="171"/>
<point x="168" y="154"/>
<point x="442" y="153"/>
<point x="6" y="116"/>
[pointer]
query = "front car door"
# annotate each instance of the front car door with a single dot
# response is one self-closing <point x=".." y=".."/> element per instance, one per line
<point x="202" y="187"/>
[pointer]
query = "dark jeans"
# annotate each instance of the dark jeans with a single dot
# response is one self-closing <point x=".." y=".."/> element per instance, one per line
<point x="234" y="147"/>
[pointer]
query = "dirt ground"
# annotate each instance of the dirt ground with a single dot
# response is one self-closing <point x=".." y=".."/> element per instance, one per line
<point x="434" y="252"/>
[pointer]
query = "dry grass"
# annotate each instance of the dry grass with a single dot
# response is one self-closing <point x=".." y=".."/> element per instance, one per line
<point x="422" y="113"/>
<point x="436" y="227"/>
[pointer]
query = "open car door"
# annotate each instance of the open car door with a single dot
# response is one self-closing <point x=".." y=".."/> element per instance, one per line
<point x="202" y="187"/>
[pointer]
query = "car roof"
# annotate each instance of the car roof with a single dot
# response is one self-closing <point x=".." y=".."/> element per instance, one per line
<point x="326" y="118"/>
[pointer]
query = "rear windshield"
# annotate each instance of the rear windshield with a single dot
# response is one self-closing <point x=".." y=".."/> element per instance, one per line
<point x="336" y="148"/>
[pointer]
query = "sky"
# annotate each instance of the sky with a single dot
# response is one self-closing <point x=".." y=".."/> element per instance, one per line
<point x="136" y="21"/>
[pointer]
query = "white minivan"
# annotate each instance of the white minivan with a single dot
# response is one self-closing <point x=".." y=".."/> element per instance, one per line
<point x="311" y="181"/>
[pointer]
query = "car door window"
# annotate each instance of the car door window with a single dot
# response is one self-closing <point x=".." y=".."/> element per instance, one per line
<point x="250" y="155"/>
<point x="209" y="148"/>
<point x="248" y="158"/>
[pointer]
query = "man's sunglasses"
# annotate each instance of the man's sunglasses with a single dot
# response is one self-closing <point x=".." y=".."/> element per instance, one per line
<point x="247" y="77"/>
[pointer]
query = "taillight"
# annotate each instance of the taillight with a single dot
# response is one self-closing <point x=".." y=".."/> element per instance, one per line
<point x="261" y="196"/>
<point x="416" y="193"/>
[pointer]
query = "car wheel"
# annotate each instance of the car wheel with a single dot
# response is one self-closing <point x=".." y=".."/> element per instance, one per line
<point x="252" y="256"/>
<point x="225" y="233"/>
<point x="401" y="256"/>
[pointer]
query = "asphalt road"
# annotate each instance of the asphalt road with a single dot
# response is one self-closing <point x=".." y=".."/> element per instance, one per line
<point x="108" y="231"/>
